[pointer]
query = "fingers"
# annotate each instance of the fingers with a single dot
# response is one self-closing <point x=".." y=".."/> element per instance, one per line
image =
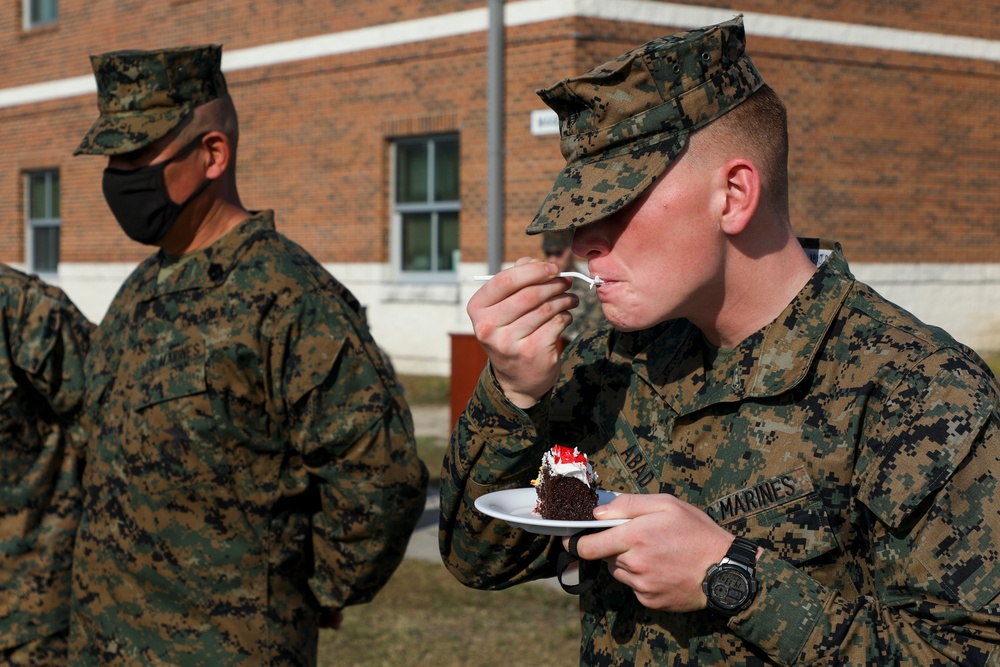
<point x="530" y="293"/>
<point x="524" y="273"/>
<point x="630" y="505"/>
<point x="523" y="317"/>
<point x="522" y="311"/>
<point x="661" y="553"/>
<point x="624" y="506"/>
<point x="656" y="520"/>
<point x="597" y="546"/>
<point x="518" y="316"/>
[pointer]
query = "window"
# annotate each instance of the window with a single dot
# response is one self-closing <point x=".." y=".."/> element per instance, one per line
<point x="40" y="12"/>
<point x="42" y="197"/>
<point x="426" y="205"/>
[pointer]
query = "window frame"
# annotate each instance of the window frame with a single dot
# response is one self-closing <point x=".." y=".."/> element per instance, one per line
<point x="47" y="221"/>
<point x="430" y="206"/>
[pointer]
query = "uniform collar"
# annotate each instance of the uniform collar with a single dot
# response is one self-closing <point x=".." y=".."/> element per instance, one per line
<point x="771" y="361"/>
<point x="206" y="267"/>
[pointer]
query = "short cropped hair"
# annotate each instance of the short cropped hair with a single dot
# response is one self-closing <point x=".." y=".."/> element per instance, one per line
<point x="758" y="128"/>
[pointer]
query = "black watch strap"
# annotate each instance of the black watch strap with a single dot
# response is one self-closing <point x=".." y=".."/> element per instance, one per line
<point x="743" y="551"/>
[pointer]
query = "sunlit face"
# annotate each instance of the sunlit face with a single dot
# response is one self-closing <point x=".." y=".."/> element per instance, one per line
<point x="662" y="256"/>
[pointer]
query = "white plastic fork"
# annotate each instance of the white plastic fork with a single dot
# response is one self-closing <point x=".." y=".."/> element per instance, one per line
<point x="594" y="282"/>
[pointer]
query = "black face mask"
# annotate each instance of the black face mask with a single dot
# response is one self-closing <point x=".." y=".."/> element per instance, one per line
<point x="139" y="199"/>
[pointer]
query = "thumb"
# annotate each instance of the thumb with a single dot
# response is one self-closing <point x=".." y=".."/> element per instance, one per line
<point x="631" y="505"/>
<point x="616" y="509"/>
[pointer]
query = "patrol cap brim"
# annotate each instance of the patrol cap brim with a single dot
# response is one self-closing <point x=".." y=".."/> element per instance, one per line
<point x="623" y="123"/>
<point x="129" y="131"/>
<point x="585" y="193"/>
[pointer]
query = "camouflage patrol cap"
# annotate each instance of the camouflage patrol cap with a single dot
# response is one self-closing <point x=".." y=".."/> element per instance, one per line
<point x="621" y="124"/>
<point x="143" y="95"/>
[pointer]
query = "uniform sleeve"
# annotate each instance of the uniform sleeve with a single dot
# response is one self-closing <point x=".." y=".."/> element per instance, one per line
<point x="47" y="339"/>
<point x="493" y="447"/>
<point x="928" y="515"/>
<point x="353" y="429"/>
<point x="50" y="346"/>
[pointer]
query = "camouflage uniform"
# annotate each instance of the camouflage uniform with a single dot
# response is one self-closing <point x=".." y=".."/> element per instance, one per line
<point x="857" y="445"/>
<point x="43" y="342"/>
<point x="254" y="461"/>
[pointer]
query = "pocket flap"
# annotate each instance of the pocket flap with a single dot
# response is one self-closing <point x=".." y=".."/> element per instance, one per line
<point x="783" y="514"/>
<point x="174" y="373"/>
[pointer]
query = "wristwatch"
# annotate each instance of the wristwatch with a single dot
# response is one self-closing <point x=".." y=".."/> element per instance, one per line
<point x="731" y="585"/>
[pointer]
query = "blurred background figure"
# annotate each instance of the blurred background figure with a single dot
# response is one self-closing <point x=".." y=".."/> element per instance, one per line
<point x="557" y="248"/>
<point x="43" y="343"/>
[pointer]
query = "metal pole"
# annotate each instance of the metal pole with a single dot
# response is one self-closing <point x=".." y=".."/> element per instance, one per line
<point x="495" y="137"/>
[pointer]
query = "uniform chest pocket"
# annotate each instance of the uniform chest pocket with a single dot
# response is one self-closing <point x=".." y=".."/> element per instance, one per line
<point x="172" y="426"/>
<point x="783" y="514"/>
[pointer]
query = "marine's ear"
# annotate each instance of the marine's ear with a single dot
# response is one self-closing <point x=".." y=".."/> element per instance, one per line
<point x="218" y="154"/>
<point x="740" y="196"/>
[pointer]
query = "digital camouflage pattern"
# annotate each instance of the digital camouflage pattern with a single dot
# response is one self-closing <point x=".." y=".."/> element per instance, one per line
<point x="253" y="461"/>
<point x="622" y="123"/>
<point x="143" y="95"/>
<point x="857" y="445"/>
<point x="51" y="651"/>
<point x="43" y="342"/>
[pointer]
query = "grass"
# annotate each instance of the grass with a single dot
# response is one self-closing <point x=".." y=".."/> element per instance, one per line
<point x="425" y="389"/>
<point x="431" y="451"/>
<point x="424" y="617"/>
<point x="994" y="361"/>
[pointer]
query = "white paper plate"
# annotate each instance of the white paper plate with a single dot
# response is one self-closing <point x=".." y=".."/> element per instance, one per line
<point x="515" y="507"/>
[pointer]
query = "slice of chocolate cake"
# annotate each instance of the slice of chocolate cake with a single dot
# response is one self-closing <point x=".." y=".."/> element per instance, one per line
<point x="565" y="486"/>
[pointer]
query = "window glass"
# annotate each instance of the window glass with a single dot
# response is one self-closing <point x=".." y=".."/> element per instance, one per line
<point x="427" y="205"/>
<point x="417" y="242"/>
<point x="446" y="170"/>
<point x="45" y="250"/>
<point x="43" y="207"/>
<point x="448" y="241"/>
<point x="55" y="197"/>
<point x="38" y="200"/>
<point x="41" y="12"/>
<point x="411" y="169"/>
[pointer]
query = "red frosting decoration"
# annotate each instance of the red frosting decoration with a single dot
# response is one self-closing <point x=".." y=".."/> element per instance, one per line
<point x="561" y="454"/>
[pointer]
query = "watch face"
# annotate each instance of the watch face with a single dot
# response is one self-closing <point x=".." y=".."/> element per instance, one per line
<point x="729" y="588"/>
